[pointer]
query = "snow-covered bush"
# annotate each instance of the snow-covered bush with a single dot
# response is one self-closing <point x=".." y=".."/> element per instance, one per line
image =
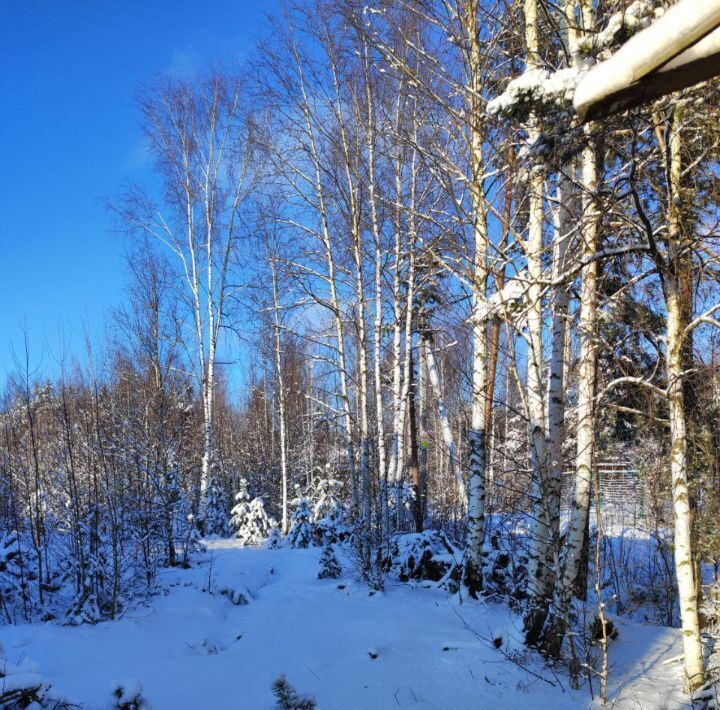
<point x="401" y="496"/>
<point x="328" y="502"/>
<point x="14" y="590"/>
<point x="249" y="519"/>
<point x="83" y="610"/>
<point x="192" y="542"/>
<point x="180" y="521"/>
<point x="288" y="698"/>
<point x="329" y="566"/>
<point x="707" y="697"/>
<point x="94" y="599"/>
<point x="239" y="596"/>
<point x="127" y="695"/>
<point x="426" y="555"/>
<point x="710" y="609"/>
<point x="301" y="532"/>
<point x="22" y="686"/>
<point x="506" y="569"/>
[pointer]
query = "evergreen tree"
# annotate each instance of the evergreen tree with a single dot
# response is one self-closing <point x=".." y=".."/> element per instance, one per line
<point x="301" y="533"/>
<point x="329" y="565"/>
<point x="329" y="513"/>
<point x="275" y="538"/>
<point x="288" y="698"/>
<point x="249" y="519"/>
<point x="216" y="520"/>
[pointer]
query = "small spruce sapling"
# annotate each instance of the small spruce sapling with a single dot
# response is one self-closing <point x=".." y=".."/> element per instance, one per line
<point x="329" y="566"/>
<point x="216" y="520"/>
<point x="249" y="519"/>
<point x="275" y="538"/>
<point x="329" y="513"/>
<point x="301" y="533"/>
<point x="288" y="698"/>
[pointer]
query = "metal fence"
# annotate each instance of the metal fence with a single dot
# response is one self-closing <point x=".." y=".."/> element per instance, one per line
<point x="622" y="494"/>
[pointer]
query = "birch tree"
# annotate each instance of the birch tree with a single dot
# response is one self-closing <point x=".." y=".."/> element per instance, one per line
<point x="202" y="138"/>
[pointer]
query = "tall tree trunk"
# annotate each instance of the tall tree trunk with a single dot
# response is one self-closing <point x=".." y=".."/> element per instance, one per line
<point x="331" y="277"/>
<point x="567" y="578"/>
<point x="378" y="324"/>
<point x="414" y="459"/>
<point x="684" y="568"/>
<point x="473" y="575"/>
<point x="407" y="364"/>
<point x="279" y="378"/>
<point x="547" y="558"/>
<point x="424" y="424"/>
<point x="446" y="430"/>
<point x="539" y="572"/>
<point x="678" y="317"/>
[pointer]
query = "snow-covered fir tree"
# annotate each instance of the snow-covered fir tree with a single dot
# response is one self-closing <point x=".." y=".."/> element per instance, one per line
<point x="301" y="533"/>
<point x="329" y="566"/>
<point x="275" y="537"/>
<point x="329" y="514"/>
<point x="249" y="520"/>
<point x="92" y="602"/>
<point x="216" y="519"/>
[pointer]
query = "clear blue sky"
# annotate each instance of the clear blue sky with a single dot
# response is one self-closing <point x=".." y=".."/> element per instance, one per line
<point x="70" y="71"/>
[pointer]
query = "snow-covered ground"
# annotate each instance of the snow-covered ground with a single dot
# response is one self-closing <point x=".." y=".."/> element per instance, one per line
<point x="192" y="649"/>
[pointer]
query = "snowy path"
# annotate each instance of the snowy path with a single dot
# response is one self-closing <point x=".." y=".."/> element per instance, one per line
<point x="193" y="650"/>
<point x="638" y="677"/>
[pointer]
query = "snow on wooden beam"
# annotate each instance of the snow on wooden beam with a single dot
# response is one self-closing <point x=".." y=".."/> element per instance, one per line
<point x="680" y="49"/>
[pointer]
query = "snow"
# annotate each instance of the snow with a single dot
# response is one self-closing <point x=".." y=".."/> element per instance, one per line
<point x="508" y="297"/>
<point x="636" y="16"/>
<point x="191" y="647"/>
<point x="535" y="88"/>
<point x="680" y="26"/>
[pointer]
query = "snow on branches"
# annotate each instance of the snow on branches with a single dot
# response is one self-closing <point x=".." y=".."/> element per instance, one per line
<point x="536" y="89"/>
<point x="22" y="686"/>
<point x="620" y="27"/>
<point x="288" y="698"/>
<point x="541" y="90"/>
<point x="329" y="514"/>
<point x="249" y="519"/>
<point x="301" y="533"/>
<point x="216" y="521"/>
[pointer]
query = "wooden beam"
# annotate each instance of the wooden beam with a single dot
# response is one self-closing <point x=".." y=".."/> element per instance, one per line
<point x="674" y="77"/>
<point x="674" y="46"/>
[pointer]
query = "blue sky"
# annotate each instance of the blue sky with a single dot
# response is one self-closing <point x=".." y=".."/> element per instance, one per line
<point x="69" y="139"/>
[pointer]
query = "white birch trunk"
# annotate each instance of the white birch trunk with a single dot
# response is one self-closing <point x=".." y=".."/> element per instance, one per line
<point x="331" y="279"/>
<point x="378" y="324"/>
<point x="281" y="402"/>
<point x="352" y="180"/>
<point x="476" y="435"/>
<point x="445" y="428"/>
<point x="538" y="578"/>
<point x="684" y="569"/>
<point x="676" y="332"/>
<point x="544" y="557"/>
<point x="587" y="327"/>
<point x="394" y="462"/>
